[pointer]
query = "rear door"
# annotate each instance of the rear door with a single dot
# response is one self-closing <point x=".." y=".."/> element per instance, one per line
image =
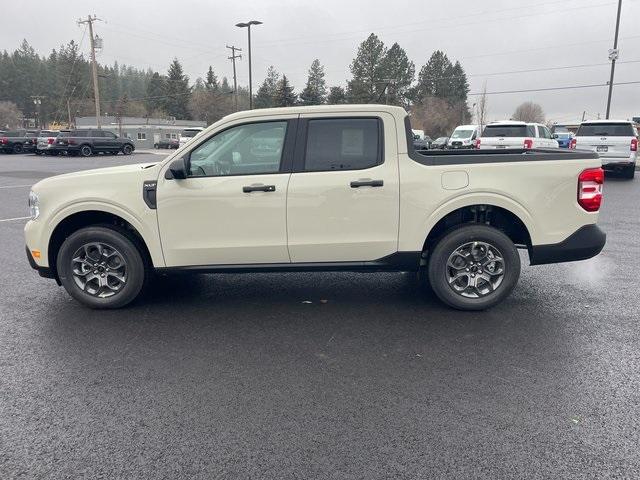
<point x="343" y="196"/>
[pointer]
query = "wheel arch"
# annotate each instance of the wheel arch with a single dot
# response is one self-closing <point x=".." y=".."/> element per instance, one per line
<point x="485" y="213"/>
<point x="85" y="218"/>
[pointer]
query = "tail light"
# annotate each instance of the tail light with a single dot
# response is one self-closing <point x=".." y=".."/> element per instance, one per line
<point x="634" y="144"/>
<point x="50" y="140"/>
<point x="4" y="140"/>
<point x="528" y="143"/>
<point x="476" y="143"/>
<point x="572" y="144"/>
<point x="590" y="189"/>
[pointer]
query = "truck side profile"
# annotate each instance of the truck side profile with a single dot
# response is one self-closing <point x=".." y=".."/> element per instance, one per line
<point x="325" y="188"/>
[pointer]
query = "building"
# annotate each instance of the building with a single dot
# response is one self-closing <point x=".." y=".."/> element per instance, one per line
<point x="145" y="132"/>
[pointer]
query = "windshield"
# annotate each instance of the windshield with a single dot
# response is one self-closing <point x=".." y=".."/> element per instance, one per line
<point x="509" y="131"/>
<point x="462" y="134"/>
<point x="605" y="130"/>
<point x="563" y="135"/>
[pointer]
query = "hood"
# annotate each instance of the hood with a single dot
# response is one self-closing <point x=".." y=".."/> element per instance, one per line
<point x="97" y="173"/>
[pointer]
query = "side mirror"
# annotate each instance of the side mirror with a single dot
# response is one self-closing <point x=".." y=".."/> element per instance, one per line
<point x="177" y="170"/>
<point x="555" y="135"/>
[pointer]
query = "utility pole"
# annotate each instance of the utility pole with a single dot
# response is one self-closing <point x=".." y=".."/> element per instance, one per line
<point x="584" y="112"/>
<point x="248" y="27"/>
<point x="613" y="56"/>
<point x="94" y="66"/>
<point x="235" y="83"/>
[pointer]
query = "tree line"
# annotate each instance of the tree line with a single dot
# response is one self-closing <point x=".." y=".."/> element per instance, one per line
<point x="436" y="96"/>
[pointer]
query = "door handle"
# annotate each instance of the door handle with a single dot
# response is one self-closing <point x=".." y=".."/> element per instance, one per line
<point x="258" y="188"/>
<point x="366" y="183"/>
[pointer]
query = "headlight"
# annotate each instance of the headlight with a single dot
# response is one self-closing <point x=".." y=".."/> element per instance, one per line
<point x="34" y="205"/>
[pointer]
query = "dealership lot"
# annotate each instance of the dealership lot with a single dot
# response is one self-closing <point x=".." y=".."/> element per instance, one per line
<point x="237" y="376"/>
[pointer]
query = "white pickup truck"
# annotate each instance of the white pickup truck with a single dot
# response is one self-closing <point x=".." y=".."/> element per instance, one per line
<point x="329" y="188"/>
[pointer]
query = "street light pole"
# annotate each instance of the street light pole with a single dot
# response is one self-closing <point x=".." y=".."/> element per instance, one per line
<point x="613" y="55"/>
<point x="248" y="26"/>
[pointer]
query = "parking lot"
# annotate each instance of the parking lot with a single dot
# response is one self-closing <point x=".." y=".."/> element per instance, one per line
<point x="323" y="375"/>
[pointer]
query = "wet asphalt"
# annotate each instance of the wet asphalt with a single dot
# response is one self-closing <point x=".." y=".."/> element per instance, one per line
<point x="237" y="376"/>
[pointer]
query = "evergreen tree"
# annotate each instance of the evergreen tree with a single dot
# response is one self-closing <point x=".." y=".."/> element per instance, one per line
<point x="434" y="78"/>
<point x="368" y="71"/>
<point x="401" y="70"/>
<point x="155" y="92"/>
<point x="459" y="88"/>
<point x="265" y="97"/>
<point x="177" y="92"/>
<point x="212" y="81"/>
<point x="315" y="92"/>
<point x="285" y="96"/>
<point x="225" y="87"/>
<point x="336" y="96"/>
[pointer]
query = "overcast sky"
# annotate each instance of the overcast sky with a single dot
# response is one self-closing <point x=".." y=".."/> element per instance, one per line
<point x="489" y="38"/>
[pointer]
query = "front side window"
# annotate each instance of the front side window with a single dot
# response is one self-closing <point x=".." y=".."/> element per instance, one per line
<point x="142" y="136"/>
<point x="250" y="149"/>
<point x="342" y="144"/>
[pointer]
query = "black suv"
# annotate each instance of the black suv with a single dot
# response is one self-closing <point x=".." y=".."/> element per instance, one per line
<point x="88" y="142"/>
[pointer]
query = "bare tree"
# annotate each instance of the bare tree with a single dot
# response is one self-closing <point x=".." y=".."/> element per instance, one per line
<point x="529" y="112"/>
<point x="10" y="115"/>
<point x="436" y="116"/>
<point x="481" y="108"/>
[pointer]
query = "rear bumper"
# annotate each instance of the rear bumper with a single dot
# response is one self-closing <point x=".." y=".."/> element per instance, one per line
<point x="586" y="242"/>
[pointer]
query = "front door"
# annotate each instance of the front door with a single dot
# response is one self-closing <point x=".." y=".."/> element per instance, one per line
<point x="232" y="207"/>
<point x="343" y="199"/>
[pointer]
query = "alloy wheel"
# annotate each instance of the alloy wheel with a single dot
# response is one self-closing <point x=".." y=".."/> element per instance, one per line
<point x="475" y="269"/>
<point x="99" y="269"/>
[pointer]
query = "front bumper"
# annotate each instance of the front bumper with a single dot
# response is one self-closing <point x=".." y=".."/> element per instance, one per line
<point x="45" y="272"/>
<point x="586" y="242"/>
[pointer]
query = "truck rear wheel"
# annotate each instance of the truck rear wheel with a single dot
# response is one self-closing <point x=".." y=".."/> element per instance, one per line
<point x="473" y="267"/>
<point x="101" y="267"/>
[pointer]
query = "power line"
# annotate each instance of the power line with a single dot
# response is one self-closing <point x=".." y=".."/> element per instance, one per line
<point x="549" y="89"/>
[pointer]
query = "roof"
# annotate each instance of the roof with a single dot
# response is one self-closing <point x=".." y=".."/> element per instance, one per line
<point x="319" y="109"/>
<point x="611" y="120"/>
<point x="112" y="120"/>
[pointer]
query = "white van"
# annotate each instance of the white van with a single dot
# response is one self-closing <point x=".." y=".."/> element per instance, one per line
<point x="464" y="136"/>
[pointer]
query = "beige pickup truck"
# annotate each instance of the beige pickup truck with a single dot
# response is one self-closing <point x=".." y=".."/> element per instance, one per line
<point x="325" y="188"/>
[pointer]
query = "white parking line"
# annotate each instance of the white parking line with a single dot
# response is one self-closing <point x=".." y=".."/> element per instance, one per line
<point x="14" y="186"/>
<point x="13" y="219"/>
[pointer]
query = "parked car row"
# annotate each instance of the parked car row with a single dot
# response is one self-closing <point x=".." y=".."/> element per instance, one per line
<point x="616" y="141"/>
<point x="67" y="142"/>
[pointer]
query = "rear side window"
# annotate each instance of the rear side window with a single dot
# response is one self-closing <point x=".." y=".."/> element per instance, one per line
<point x="79" y="133"/>
<point x="605" y="130"/>
<point x="343" y="144"/>
<point x="509" y="131"/>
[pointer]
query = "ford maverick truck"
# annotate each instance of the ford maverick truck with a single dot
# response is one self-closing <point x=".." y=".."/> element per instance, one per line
<point x="323" y="188"/>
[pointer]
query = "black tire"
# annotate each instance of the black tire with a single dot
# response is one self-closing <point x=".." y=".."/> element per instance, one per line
<point x="135" y="269"/>
<point x="37" y="152"/>
<point x="127" y="149"/>
<point x="629" y="172"/>
<point x="17" y="148"/>
<point x="85" y="151"/>
<point x="439" y="270"/>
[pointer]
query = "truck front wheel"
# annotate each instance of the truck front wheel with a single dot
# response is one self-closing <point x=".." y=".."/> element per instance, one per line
<point x="473" y="267"/>
<point x="101" y="267"/>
